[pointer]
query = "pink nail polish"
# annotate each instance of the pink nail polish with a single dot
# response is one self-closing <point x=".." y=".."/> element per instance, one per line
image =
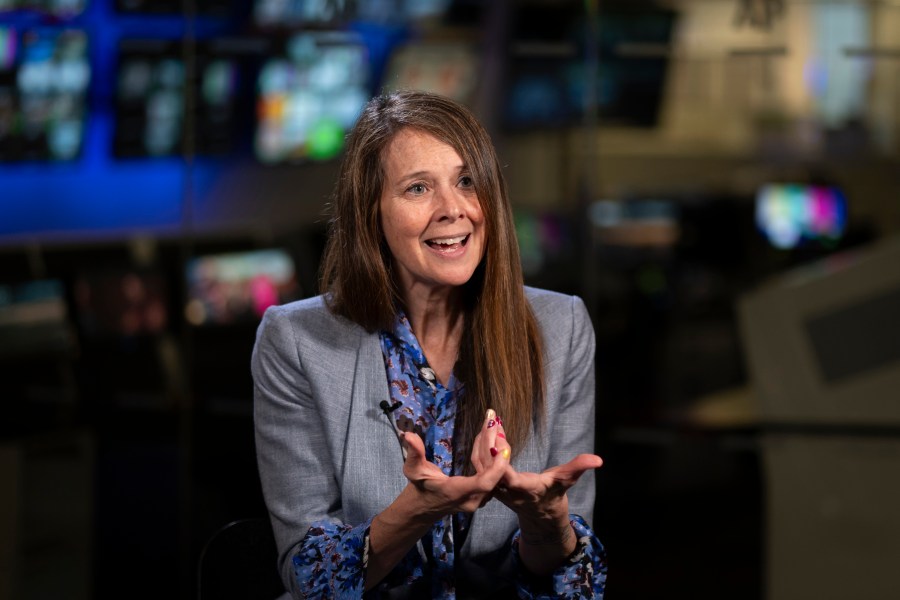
<point x="501" y="435"/>
<point x="491" y="423"/>
<point x="494" y="452"/>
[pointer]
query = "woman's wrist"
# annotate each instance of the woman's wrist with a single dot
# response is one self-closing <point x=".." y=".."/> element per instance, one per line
<point x="550" y="534"/>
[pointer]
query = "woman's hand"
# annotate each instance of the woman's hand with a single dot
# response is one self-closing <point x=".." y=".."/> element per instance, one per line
<point x="541" y="503"/>
<point x="429" y="496"/>
<point x="441" y="494"/>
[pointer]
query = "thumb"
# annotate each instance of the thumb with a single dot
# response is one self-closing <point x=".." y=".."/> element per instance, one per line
<point x="415" y="448"/>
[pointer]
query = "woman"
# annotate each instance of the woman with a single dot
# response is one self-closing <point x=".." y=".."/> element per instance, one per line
<point x="425" y="333"/>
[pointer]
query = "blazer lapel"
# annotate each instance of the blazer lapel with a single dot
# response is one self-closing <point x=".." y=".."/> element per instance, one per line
<point x="373" y="462"/>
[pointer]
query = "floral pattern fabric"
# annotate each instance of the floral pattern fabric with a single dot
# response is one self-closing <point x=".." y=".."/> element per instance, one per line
<point x="331" y="559"/>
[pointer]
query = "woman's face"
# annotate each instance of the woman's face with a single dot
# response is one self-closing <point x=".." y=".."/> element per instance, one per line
<point x="430" y="215"/>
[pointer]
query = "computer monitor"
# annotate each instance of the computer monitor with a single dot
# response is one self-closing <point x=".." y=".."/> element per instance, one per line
<point x="237" y="288"/>
<point x="822" y="342"/>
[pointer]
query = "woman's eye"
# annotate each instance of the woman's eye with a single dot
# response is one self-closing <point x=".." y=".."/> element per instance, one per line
<point x="416" y="188"/>
<point x="466" y="181"/>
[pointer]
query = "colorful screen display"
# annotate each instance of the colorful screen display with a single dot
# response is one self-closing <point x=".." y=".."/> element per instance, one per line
<point x="310" y="97"/>
<point x="44" y="78"/>
<point x="790" y="215"/>
<point x="238" y="287"/>
<point x="447" y="69"/>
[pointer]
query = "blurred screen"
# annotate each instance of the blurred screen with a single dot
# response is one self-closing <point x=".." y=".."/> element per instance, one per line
<point x="33" y="319"/>
<point x="400" y="10"/>
<point x="238" y="287"/>
<point x="121" y="303"/>
<point x="149" y="99"/>
<point x="151" y="103"/>
<point x="293" y="13"/>
<point x="204" y="7"/>
<point x="548" y="67"/>
<point x="44" y="78"/>
<point x="446" y="69"/>
<point x="310" y="97"/>
<point x="55" y="8"/>
<point x="790" y="215"/>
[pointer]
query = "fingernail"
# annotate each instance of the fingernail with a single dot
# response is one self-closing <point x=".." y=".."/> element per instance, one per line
<point x="505" y="453"/>
<point x="499" y="420"/>
<point x="491" y="414"/>
<point x="500" y="434"/>
<point x="491" y="423"/>
<point x="493" y="452"/>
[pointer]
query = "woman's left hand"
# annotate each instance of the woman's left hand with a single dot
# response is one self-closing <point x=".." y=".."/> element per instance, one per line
<point x="540" y="498"/>
<point x="541" y="503"/>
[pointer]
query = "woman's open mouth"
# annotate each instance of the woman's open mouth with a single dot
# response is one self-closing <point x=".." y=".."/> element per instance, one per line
<point x="448" y="244"/>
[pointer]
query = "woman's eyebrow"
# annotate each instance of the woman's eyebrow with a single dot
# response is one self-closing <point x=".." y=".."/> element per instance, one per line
<point x="415" y="175"/>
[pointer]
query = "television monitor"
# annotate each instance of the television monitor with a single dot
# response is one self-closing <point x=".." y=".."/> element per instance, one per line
<point x="310" y="96"/>
<point x="298" y="13"/>
<point x="792" y="214"/>
<point x="151" y="97"/>
<point x="823" y="342"/>
<point x="62" y="9"/>
<point x="238" y="287"/>
<point x="34" y="319"/>
<point x="44" y="79"/>
<point x="174" y="7"/>
<point x="121" y="303"/>
<point x="150" y="85"/>
<point x="548" y="72"/>
<point x="449" y="69"/>
<point x="379" y="11"/>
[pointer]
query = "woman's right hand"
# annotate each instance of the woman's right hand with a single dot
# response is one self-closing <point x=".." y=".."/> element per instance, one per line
<point x="429" y="496"/>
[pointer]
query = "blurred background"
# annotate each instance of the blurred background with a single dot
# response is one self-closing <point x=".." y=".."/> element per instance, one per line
<point x="718" y="179"/>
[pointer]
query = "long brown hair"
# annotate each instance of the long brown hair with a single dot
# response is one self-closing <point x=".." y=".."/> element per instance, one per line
<point x="500" y="352"/>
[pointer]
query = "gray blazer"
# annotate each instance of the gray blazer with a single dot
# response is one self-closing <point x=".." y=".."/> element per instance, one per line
<point x="327" y="451"/>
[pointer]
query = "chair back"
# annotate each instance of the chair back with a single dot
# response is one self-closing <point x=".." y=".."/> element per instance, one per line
<point x="239" y="562"/>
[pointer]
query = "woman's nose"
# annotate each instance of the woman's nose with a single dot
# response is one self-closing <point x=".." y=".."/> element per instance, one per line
<point x="450" y="205"/>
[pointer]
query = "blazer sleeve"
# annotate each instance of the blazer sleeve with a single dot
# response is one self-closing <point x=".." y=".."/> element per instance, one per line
<point x="296" y="471"/>
<point x="571" y="426"/>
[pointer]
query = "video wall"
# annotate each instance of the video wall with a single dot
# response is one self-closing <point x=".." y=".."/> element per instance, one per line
<point x="111" y="110"/>
<point x="103" y="101"/>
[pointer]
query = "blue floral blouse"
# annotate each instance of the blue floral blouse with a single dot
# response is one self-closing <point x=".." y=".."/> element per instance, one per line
<point x="331" y="560"/>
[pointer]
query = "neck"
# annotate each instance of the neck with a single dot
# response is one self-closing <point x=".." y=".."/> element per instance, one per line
<point x="434" y="313"/>
<point x="436" y="318"/>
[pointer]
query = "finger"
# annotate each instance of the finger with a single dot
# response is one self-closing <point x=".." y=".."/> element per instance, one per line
<point x="482" y="457"/>
<point x="569" y="473"/>
<point x="500" y="444"/>
<point x="477" y="456"/>
<point x="499" y="465"/>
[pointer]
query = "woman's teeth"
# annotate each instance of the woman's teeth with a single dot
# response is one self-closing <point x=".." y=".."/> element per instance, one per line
<point x="447" y="241"/>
